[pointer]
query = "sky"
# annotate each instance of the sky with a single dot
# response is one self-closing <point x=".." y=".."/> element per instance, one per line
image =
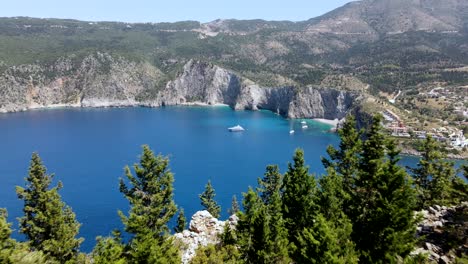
<point x="169" y="10"/>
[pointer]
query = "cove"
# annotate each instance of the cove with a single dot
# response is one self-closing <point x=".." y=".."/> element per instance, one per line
<point x="87" y="149"/>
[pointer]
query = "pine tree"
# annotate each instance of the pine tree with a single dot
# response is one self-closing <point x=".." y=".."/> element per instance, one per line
<point x="459" y="187"/>
<point x="6" y="243"/>
<point x="298" y="205"/>
<point x="234" y="206"/>
<point x="332" y="227"/>
<point x="345" y="160"/>
<point x="276" y="234"/>
<point x="208" y="200"/>
<point x="251" y="228"/>
<point x="433" y="176"/>
<point x="49" y="225"/>
<point x="181" y="221"/>
<point x="383" y="202"/>
<point x="151" y="207"/>
<point x="109" y="250"/>
<point x="323" y="243"/>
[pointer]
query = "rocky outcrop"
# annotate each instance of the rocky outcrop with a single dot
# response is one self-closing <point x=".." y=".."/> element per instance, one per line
<point x="203" y="230"/>
<point x="101" y="80"/>
<point x="98" y="80"/>
<point x="210" y="84"/>
<point x="445" y="233"/>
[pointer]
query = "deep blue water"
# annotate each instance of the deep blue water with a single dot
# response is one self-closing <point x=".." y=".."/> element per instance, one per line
<point x="87" y="150"/>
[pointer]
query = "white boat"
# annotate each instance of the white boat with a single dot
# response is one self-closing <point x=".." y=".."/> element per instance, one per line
<point x="291" y="131"/>
<point x="305" y="126"/>
<point x="237" y="128"/>
<point x="303" y="122"/>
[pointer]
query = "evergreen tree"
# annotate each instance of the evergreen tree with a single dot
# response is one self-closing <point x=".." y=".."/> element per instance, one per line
<point x="298" y="205"/>
<point x="109" y="250"/>
<point x="181" y="221"/>
<point x="433" y="176"/>
<point x="262" y="235"/>
<point x="383" y="202"/>
<point x="345" y="160"/>
<point x="208" y="200"/>
<point x="276" y="235"/>
<point x="321" y="243"/>
<point x="459" y="187"/>
<point x="151" y="207"/>
<point x="217" y="254"/>
<point x="332" y="228"/>
<point x="6" y="243"/>
<point x="48" y="223"/>
<point x="234" y="206"/>
<point x="252" y="228"/>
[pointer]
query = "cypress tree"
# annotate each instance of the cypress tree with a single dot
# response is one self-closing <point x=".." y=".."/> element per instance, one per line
<point x="433" y="176"/>
<point x="150" y="194"/>
<point x="49" y="225"/>
<point x="298" y="205"/>
<point x="234" y="206"/>
<point x="208" y="200"/>
<point x="383" y="202"/>
<point x="181" y="221"/>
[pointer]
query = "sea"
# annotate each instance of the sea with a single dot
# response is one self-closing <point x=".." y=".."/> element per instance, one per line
<point x="87" y="149"/>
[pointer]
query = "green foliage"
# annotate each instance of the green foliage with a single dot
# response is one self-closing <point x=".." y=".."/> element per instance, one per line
<point x="345" y="162"/>
<point x="234" y="206"/>
<point x="218" y="254"/>
<point x="321" y="243"/>
<point x="152" y="206"/>
<point x="332" y="226"/>
<point x="109" y="250"/>
<point x="146" y="248"/>
<point x="49" y="225"/>
<point x="261" y="229"/>
<point x="6" y="243"/>
<point x="181" y="221"/>
<point x="435" y="178"/>
<point x="207" y="198"/>
<point x="383" y="201"/>
<point x="298" y="207"/>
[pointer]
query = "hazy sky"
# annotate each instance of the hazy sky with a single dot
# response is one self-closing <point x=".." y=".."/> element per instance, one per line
<point x="169" y="10"/>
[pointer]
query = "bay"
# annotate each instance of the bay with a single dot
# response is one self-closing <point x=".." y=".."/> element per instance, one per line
<point x="87" y="150"/>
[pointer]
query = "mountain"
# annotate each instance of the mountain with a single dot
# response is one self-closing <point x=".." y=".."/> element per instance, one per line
<point x="393" y="17"/>
<point x="385" y="45"/>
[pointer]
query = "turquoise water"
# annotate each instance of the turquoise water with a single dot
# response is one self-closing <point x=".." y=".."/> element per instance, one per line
<point x="87" y="150"/>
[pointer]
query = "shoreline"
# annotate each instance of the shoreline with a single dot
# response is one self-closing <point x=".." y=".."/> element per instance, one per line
<point x="331" y="122"/>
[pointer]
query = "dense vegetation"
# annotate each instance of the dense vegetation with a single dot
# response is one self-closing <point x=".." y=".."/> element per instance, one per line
<point x="360" y="211"/>
<point x="271" y="53"/>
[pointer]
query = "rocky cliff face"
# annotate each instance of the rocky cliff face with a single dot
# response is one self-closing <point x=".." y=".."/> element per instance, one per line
<point x="210" y="84"/>
<point x="101" y="80"/>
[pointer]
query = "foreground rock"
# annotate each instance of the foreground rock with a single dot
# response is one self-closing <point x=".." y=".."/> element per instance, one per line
<point x="204" y="230"/>
<point x="445" y="233"/>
